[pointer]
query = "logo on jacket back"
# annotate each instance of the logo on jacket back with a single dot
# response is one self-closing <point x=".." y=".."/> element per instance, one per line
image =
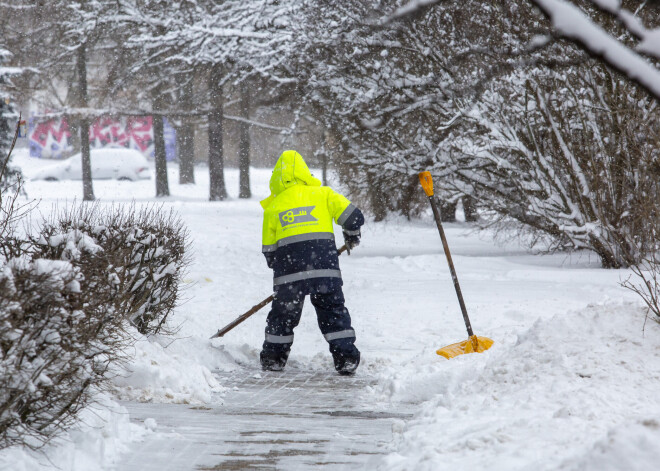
<point x="297" y="215"/>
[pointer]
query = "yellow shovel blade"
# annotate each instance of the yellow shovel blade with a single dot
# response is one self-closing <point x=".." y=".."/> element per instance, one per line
<point x="471" y="345"/>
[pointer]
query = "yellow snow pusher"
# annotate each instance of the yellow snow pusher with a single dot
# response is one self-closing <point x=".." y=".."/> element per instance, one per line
<point x="473" y="343"/>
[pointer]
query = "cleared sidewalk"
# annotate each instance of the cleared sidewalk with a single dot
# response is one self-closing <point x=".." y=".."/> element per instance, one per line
<point x="289" y="420"/>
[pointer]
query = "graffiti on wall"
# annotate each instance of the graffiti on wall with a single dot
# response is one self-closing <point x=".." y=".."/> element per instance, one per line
<point x="51" y="139"/>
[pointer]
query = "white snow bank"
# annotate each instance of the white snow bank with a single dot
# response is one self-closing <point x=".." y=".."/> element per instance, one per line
<point x="630" y="446"/>
<point x="576" y="391"/>
<point x="103" y="432"/>
<point x="167" y="370"/>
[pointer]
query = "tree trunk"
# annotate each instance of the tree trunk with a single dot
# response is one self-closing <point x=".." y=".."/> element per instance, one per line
<point x="607" y="255"/>
<point x="470" y="209"/>
<point x="88" y="188"/>
<point x="185" y="136"/>
<point x="186" y="147"/>
<point x="217" y="189"/>
<point x="324" y="158"/>
<point x="244" y="145"/>
<point x="377" y="199"/>
<point x="448" y="211"/>
<point x="73" y="124"/>
<point x="162" y="186"/>
<point x="409" y="196"/>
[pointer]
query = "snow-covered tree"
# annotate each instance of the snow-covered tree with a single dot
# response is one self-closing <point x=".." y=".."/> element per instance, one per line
<point x="585" y="22"/>
<point x="55" y="41"/>
<point x="87" y="24"/>
<point x="223" y="43"/>
<point x="391" y="95"/>
<point x="8" y="120"/>
<point x="570" y="154"/>
<point x="447" y="90"/>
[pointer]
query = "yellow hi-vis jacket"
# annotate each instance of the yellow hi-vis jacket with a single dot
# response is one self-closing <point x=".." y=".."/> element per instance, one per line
<point x="298" y="237"/>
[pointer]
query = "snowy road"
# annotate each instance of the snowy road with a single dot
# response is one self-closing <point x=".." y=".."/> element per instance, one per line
<point x="295" y="419"/>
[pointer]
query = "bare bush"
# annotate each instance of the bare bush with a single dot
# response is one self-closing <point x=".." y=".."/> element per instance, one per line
<point x="66" y="293"/>
<point x="647" y="284"/>
<point x="56" y="343"/>
<point x="138" y="254"/>
<point x="645" y="281"/>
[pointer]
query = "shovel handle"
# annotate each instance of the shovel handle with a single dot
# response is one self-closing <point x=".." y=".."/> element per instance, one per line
<point x="243" y="317"/>
<point x="255" y="308"/>
<point x="427" y="183"/>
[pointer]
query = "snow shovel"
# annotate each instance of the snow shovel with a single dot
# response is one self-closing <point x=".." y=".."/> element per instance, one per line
<point x="254" y="309"/>
<point x="473" y="343"/>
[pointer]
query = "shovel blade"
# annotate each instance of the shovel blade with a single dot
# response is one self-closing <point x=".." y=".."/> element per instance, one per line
<point x="471" y="345"/>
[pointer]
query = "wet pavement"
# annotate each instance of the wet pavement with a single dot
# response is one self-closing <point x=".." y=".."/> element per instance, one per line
<point x="286" y="420"/>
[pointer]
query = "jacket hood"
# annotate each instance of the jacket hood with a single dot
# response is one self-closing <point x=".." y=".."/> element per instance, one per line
<point x="289" y="170"/>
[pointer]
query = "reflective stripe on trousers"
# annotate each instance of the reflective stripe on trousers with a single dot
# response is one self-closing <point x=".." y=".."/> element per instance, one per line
<point x="270" y="338"/>
<point x="342" y="334"/>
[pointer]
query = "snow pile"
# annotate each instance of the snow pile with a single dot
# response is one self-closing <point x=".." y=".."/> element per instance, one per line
<point x="167" y="370"/>
<point x="576" y="391"/>
<point x="102" y="433"/>
<point x="632" y="445"/>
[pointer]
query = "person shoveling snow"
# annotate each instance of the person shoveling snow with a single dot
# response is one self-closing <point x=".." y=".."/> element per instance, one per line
<point x="299" y="245"/>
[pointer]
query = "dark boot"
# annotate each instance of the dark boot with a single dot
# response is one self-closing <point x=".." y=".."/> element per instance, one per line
<point x="346" y="365"/>
<point x="272" y="361"/>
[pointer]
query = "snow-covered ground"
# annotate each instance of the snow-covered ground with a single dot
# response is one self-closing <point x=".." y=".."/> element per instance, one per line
<point x="570" y="383"/>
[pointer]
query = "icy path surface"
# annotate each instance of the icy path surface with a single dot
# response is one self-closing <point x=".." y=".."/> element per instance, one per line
<point x="294" y="419"/>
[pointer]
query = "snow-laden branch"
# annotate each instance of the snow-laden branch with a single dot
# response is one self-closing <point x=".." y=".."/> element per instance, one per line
<point x="94" y="113"/>
<point x="259" y="125"/>
<point x="574" y="24"/>
<point x="412" y="8"/>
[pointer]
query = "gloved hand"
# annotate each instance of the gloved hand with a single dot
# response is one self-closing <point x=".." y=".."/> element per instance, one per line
<point x="351" y="241"/>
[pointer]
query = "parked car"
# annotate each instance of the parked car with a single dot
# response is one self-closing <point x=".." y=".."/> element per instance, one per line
<point x="109" y="163"/>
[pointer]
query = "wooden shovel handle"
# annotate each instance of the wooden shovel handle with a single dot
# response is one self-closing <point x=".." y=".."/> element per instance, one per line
<point x="427" y="183"/>
<point x="254" y="309"/>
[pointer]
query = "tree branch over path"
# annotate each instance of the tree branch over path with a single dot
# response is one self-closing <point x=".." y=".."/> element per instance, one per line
<point x="93" y="113"/>
<point x="575" y="25"/>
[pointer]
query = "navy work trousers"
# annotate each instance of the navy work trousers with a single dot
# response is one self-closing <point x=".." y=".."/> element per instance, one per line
<point x="333" y="319"/>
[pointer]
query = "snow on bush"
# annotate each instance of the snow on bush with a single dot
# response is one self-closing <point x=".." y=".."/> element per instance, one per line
<point x="56" y="344"/>
<point x="563" y="155"/>
<point x="137" y="255"/>
<point x="67" y="290"/>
